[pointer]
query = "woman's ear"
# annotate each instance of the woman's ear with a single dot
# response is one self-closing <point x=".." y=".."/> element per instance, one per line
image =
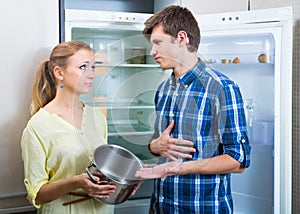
<point x="58" y="73"/>
<point x="182" y="38"/>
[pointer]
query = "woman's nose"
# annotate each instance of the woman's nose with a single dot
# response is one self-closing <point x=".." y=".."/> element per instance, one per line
<point x="91" y="74"/>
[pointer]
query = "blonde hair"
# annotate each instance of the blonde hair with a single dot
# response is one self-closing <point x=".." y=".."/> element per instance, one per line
<point x="44" y="85"/>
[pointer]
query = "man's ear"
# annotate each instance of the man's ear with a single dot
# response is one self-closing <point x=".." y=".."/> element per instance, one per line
<point x="58" y="73"/>
<point x="182" y="38"/>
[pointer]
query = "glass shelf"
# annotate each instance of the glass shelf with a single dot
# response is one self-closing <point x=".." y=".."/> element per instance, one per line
<point x="128" y="65"/>
<point x="128" y="129"/>
<point x="241" y="65"/>
<point x="120" y="104"/>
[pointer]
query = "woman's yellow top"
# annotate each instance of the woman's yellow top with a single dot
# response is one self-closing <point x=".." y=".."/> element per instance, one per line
<point x="54" y="150"/>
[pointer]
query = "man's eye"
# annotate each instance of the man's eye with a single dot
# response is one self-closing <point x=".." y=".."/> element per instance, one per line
<point x="93" y="68"/>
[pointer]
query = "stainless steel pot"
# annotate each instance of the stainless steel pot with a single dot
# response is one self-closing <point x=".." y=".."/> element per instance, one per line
<point x="117" y="165"/>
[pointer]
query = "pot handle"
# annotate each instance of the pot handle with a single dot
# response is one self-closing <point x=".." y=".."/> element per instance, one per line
<point x="87" y="169"/>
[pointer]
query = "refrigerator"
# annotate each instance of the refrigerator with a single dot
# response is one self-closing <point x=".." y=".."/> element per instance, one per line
<point x="254" y="48"/>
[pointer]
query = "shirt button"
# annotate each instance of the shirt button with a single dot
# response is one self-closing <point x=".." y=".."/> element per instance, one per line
<point x="243" y="141"/>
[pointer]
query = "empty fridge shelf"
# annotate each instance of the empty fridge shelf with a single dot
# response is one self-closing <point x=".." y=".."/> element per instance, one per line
<point x="135" y="129"/>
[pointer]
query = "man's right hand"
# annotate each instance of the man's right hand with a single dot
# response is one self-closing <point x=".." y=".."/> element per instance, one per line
<point x="171" y="148"/>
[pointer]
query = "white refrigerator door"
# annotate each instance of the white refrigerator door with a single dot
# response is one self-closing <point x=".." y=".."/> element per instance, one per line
<point x="275" y="23"/>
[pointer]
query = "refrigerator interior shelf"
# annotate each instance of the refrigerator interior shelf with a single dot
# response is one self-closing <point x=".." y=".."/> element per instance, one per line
<point x="241" y="65"/>
<point x="128" y="65"/>
<point x="130" y="133"/>
<point x="120" y="105"/>
<point x="129" y="129"/>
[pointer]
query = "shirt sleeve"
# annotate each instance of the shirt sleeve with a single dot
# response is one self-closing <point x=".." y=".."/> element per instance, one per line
<point x="233" y="127"/>
<point x="34" y="158"/>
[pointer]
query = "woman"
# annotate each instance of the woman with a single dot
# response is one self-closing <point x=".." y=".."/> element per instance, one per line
<point x="59" y="139"/>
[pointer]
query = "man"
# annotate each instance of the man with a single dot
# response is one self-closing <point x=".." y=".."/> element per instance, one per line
<point x="200" y="130"/>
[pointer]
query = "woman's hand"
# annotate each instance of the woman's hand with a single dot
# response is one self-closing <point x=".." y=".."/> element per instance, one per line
<point x="171" y="148"/>
<point x="136" y="187"/>
<point x="160" y="171"/>
<point x="51" y="191"/>
<point x="96" y="190"/>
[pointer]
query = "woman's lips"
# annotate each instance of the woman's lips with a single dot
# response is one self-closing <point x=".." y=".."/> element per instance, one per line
<point x="89" y="84"/>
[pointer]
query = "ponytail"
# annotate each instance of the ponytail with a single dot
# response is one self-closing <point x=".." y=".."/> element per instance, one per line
<point x="44" y="87"/>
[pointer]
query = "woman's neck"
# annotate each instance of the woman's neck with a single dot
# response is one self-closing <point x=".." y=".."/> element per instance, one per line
<point x="65" y="103"/>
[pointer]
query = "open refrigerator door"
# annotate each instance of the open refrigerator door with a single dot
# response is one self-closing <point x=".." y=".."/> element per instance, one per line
<point x="254" y="49"/>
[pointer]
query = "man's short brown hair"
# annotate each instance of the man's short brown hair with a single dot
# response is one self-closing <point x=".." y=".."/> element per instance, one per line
<point x="174" y="19"/>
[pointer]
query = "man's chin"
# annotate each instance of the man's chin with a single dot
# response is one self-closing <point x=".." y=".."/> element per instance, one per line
<point x="163" y="67"/>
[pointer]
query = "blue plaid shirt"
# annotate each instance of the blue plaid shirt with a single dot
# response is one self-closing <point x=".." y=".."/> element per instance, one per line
<point x="207" y="108"/>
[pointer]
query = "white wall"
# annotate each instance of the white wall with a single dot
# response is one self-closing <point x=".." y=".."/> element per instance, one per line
<point x="29" y="29"/>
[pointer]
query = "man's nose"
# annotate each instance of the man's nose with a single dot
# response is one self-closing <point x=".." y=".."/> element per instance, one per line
<point x="153" y="51"/>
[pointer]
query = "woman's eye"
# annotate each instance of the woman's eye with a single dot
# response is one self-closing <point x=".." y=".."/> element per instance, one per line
<point x="86" y="67"/>
<point x="83" y="67"/>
